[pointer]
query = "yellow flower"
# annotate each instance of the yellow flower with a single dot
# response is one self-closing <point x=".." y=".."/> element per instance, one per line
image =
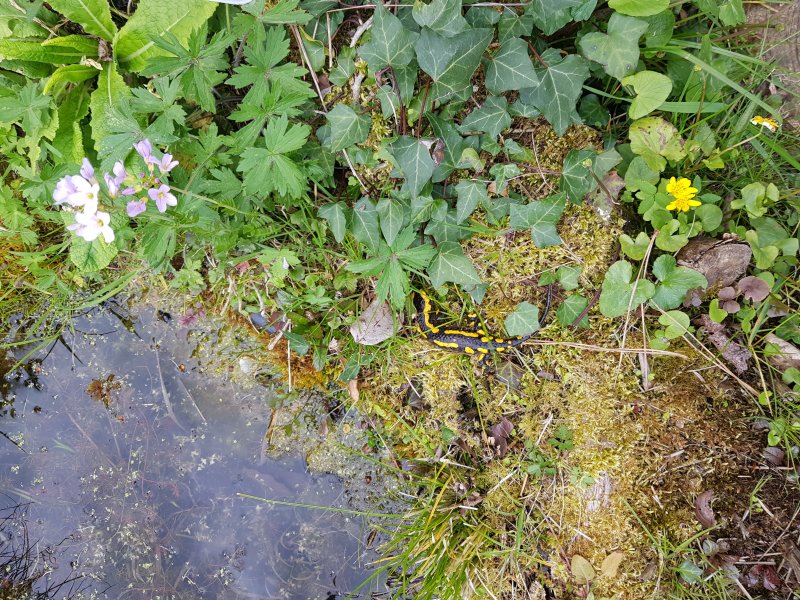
<point x="683" y="192"/>
<point x="767" y="122"/>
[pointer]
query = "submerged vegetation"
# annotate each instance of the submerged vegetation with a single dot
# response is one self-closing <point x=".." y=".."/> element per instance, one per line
<point x="326" y="160"/>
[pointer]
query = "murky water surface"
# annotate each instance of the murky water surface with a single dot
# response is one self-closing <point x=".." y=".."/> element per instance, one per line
<point x="131" y="458"/>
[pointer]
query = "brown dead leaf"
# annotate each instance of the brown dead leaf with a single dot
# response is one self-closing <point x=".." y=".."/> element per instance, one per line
<point x="352" y="389"/>
<point x="102" y="389"/>
<point x="374" y="325"/>
<point x="611" y="564"/>
<point x="774" y="456"/>
<point x="753" y="288"/>
<point x="737" y="355"/>
<point x="784" y="355"/>
<point x="703" y="511"/>
<point x="499" y="437"/>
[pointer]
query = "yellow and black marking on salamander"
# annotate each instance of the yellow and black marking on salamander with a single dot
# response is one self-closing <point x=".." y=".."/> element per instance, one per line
<point x="478" y="341"/>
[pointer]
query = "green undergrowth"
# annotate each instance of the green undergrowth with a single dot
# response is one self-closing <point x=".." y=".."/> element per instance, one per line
<point x="309" y="163"/>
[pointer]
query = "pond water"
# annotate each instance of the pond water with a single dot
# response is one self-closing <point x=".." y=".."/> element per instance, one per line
<point x="125" y="458"/>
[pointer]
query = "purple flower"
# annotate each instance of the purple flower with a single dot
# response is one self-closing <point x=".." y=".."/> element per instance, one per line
<point x="162" y="197"/>
<point x="145" y="150"/>
<point x="87" y="170"/>
<point x="167" y="164"/>
<point x="112" y="186"/>
<point x="128" y="191"/>
<point x="119" y="172"/>
<point x="64" y="188"/>
<point x="136" y="207"/>
<point x="113" y="183"/>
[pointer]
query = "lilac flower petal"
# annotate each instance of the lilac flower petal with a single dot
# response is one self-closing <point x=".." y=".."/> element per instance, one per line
<point x="136" y="207"/>
<point x="87" y="170"/>
<point x="128" y="191"/>
<point x="119" y="172"/>
<point x="111" y="184"/>
<point x="64" y="188"/>
<point x="144" y="148"/>
<point x="167" y="164"/>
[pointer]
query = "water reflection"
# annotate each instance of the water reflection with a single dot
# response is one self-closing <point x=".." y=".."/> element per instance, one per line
<point x="131" y="457"/>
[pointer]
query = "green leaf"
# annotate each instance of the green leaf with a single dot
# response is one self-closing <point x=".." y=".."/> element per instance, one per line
<point x="41" y="52"/>
<point x="717" y="314"/>
<point x="153" y="19"/>
<point x="639" y="8"/>
<point x="552" y="15"/>
<point x="393" y="284"/>
<point x="69" y="137"/>
<point x="418" y="257"/>
<point x="111" y="90"/>
<point x="391" y="44"/>
<point x="69" y="74"/>
<point x="583" y="169"/>
<point x="674" y="282"/>
<point x="470" y="195"/>
<point x="511" y="68"/>
<point x="651" y="90"/>
<point x="639" y="173"/>
<point x="569" y="310"/>
<point x="541" y="217"/>
<point x="491" y="118"/>
<point x="593" y="112"/>
<point x="656" y="141"/>
<point x="334" y="213"/>
<point x="667" y="238"/>
<point x="365" y="224"/>
<point x="568" y="277"/>
<point x="414" y="159"/>
<point x="284" y="12"/>
<point x="731" y="13"/>
<point x="93" y="15"/>
<point x="391" y="213"/>
<point x="676" y="322"/>
<point x="617" y="51"/>
<point x="635" y="249"/>
<point x="524" y="320"/>
<point x="559" y="89"/>
<point x="620" y="293"/>
<point x="347" y="127"/>
<point x="158" y="244"/>
<point x="451" y="62"/>
<point x="91" y="257"/>
<point x="710" y="216"/>
<point x="450" y="265"/>
<point x="442" y="16"/>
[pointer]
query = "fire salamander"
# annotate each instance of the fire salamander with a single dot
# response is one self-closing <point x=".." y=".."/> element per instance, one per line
<point x="478" y="341"/>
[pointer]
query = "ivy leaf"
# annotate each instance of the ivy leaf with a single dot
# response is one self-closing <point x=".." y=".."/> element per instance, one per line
<point x="451" y="62"/>
<point x="541" y="216"/>
<point x="365" y="224"/>
<point x="618" y="295"/>
<point x="511" y="68"/>
<point x="524" y="320"/>
<point x="651" y="88"/>
<point x="491" y="118"/>
<point x="559" y="90"/>
<point x="470" y="195"/>
<point x="347" y="127"/>
<point x="639" y="8"/>
<point x="617" y="51"/>
<point x="674" y="282"/>
<point x="572" y="306"/>
<point x="552" y="15"/>
<point x="450" y="265"/>
<point x="414" y="160"/>
<point x="269" y="169"/>
<point x="391" y="43"/>
<point x="453" y="146"/>
<point x="442" y="16"/>
<point x="583" y="169"/>
<point x="391" y="213"/>
<point x="335" y="213"/>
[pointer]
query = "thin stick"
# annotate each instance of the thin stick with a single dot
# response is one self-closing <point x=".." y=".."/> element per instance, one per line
<point x="595" y="348"/>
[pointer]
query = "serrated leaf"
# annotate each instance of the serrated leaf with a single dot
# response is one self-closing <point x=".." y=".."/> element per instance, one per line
<point x="524" y="320"/>
<point x="463" y="52"/>
<point x="442" y="16"/>
<point x="651" y="88"/>
<point x="391" y="44"/>
<point x="560" y="87"/>
<point x="414" y="159"/>
<point x="620" y="293"/>
<point x="154" y="18"/>
<point x="365" y="224"/>
<point x="93" y="15"/>
<point x="491" y="118"/>
<point x="334" y="213"/>
<point x="571" y="308"/>
<point x="511" y="68"/>
<point x="618" y="50"/>
<point x="347" y="127"/>
<point x="111" y="89"/>
<point x="674" y="282"/>
<point x="639" y="8"/>
<point x="470" y="195"/>
<point x="450" y="265"/>
<point x="390" y="215"/>
<point x="91" y="257"/>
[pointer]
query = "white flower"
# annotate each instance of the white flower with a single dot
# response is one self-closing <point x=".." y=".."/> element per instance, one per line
<point x="91" y="224"/>
<point x="85" y="192"/>
<point x="63" y="189"/>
